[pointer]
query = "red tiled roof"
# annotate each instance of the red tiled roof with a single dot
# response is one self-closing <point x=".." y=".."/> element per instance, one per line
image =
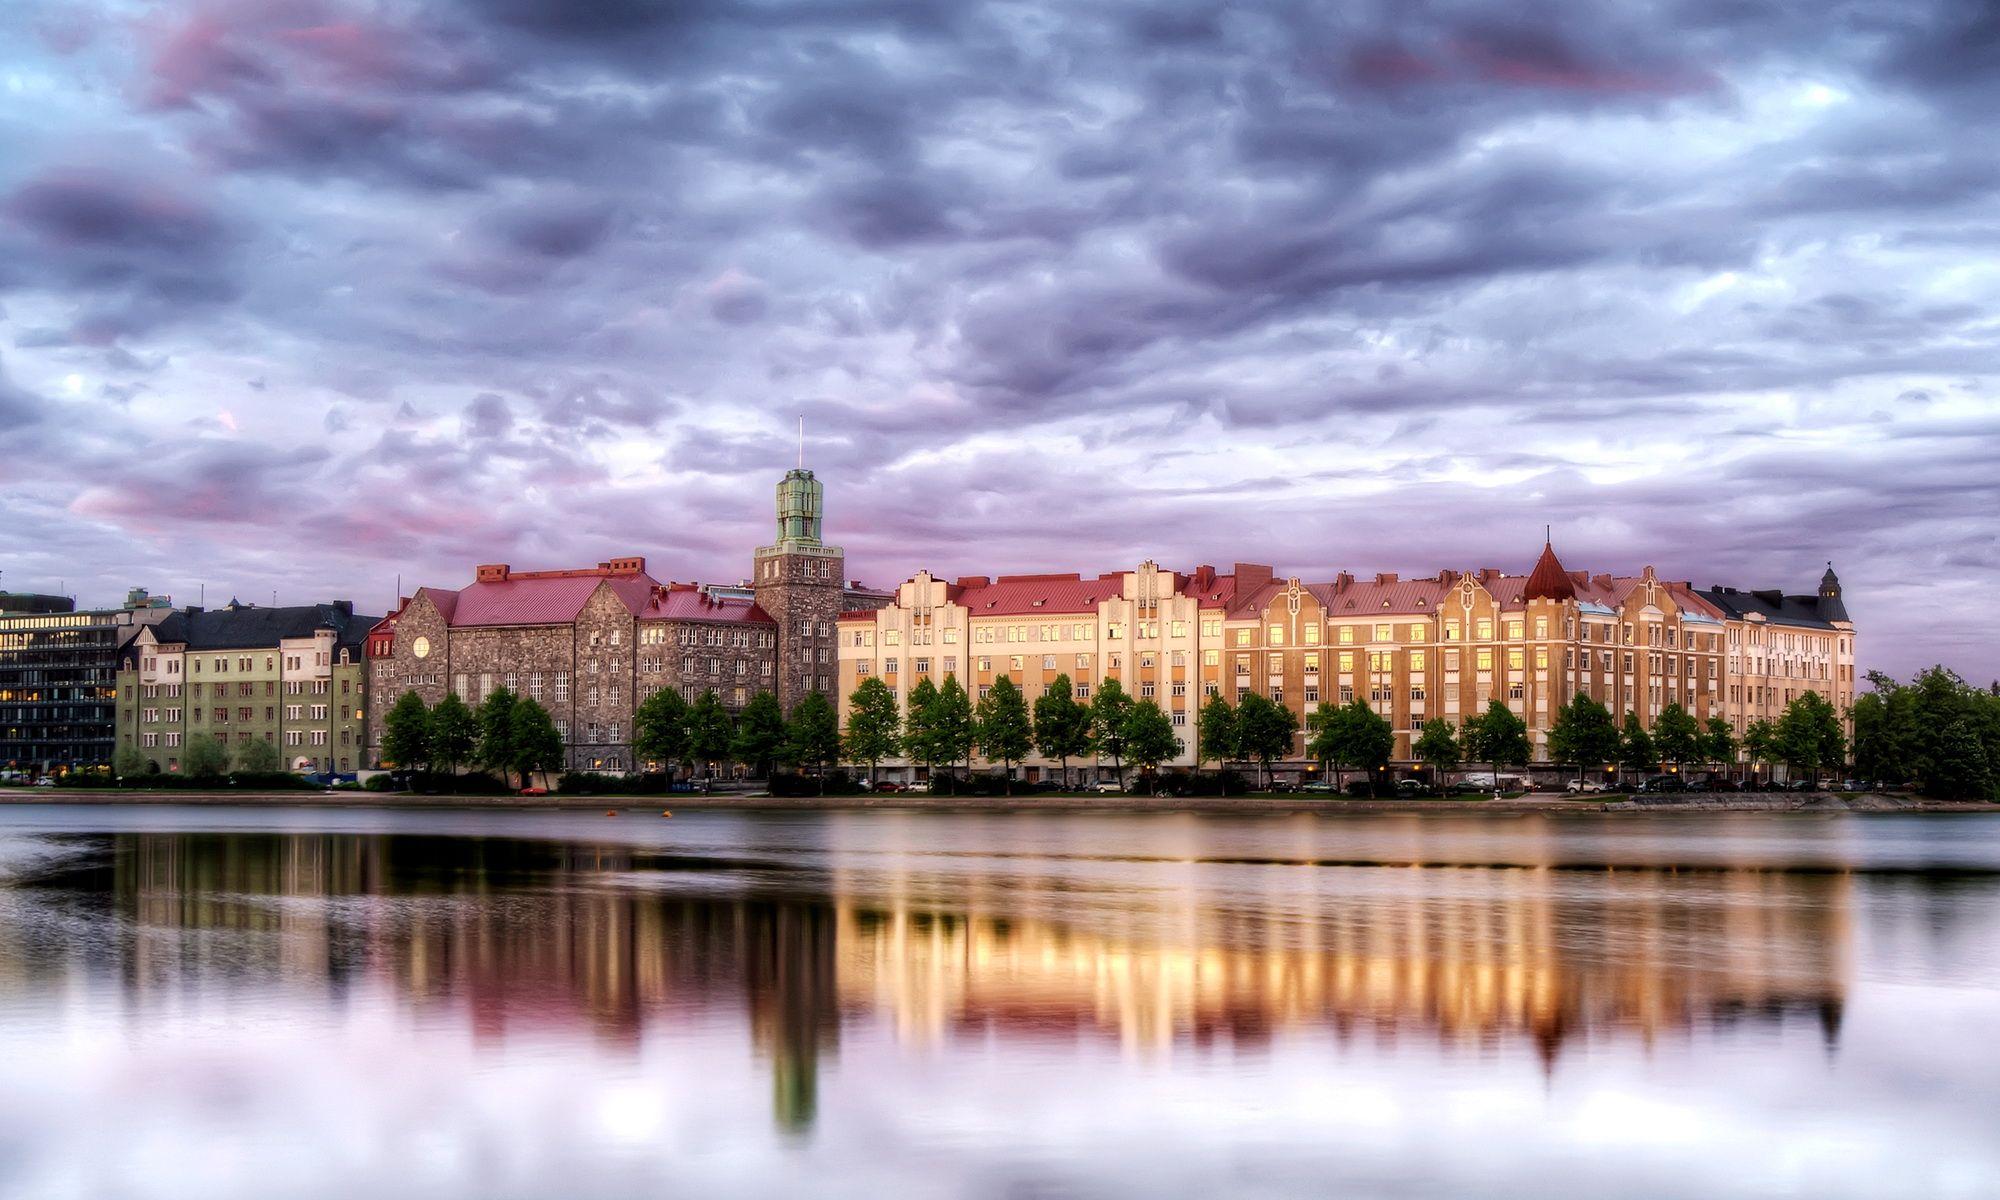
<point x="688" y="602"/>
<point x="1020" y="595"/>
<point x="1548" y="581"/>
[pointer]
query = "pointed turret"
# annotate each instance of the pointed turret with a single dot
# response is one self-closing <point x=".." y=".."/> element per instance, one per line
<point x="1830" y="606"/>
<point x="1548" y="581"/>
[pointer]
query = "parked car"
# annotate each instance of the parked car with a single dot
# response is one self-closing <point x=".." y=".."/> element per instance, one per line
<point x="1583" y="787"/>
<point x="1316" y="785"/>
<point x="1856" y="785"/>
<point x="46" y="781"/>
<point x="1658" y="784"/>
<point x="1109" y="787"/>
<point x="1411" y="787"/>
<point x="890" y="785"/>
<point x="1697" y="785"/>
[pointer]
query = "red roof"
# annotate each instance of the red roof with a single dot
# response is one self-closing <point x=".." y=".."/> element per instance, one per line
<point x="1548" y="581"/>
<point x="688" y="602"/>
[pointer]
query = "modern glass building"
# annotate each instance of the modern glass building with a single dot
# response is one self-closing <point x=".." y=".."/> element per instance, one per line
<point x="58" y="678"/>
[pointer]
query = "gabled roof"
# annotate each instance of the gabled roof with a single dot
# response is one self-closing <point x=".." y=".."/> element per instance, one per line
<point x="249" y="627"/>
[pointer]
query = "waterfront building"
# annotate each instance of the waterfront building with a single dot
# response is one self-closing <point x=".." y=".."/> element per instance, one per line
<point x="58" y="677"/>
<point x="591" y="645"/>
<point x="289" y="676"/>
<point x="1439" y="646"/>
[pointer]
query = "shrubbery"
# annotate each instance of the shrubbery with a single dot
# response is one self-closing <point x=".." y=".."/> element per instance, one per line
<point x="591" y="783"/>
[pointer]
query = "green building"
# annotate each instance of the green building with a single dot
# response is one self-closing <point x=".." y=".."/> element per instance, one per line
<point x="291" y="677"/>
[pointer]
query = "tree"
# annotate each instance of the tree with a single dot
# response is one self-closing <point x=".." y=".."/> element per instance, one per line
<point x="1635" y="745"/>
<point x="1005" y="731"/>
<point x="533" y="742"/>
<point x="872" y="724"/>
<point x="496" y="732"/>
<point x="1963" y="769"/>
<point x="952" y="728"/>
<point x="1437" y="746"/>
<point x="128" y="763"/>
<point x="1062" y="726"/>
<point x="1330" y="739"/>
<point x="1718" y="744"/>
<point x="406" y="732"/>
<point x="760" y="734"/>
<point x="1584" y="734"/>
<point x="1676" y="737"/>
<point x="1808" y="734"/>
<point x="1760" y="739"/>
<point x="1265" y="730"/>
<point x="205" y="758"/>
<point x="1371" y="740"/>
<point x="1149" y="736"/>
<point x="1497" y="736"/>
<point x="1215" y="732"/>
<point x="1107" y="724"/>
<point x="660" y="728"/>
<point x="920" y="735"/>
<point x="454" y="734"/>
<point x="256" y="757"/>
<point x="812" y="737"/>
<point x="709" y="730"/>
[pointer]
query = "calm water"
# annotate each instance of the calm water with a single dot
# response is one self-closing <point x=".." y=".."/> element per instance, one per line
<point x="283" y="1003"/>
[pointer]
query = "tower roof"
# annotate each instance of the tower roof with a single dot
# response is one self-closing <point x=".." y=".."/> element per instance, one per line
<point x="1548" y="581"/>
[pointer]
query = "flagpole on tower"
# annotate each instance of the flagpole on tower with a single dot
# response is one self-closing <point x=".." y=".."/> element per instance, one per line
<point x="802" y="441"/>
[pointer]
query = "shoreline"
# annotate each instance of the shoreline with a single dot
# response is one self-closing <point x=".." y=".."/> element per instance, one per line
<point x="1810" y="802"/>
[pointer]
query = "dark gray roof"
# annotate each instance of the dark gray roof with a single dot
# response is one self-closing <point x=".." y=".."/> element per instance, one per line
<point x="248" y="626"/>
<point x="1776" y="607"/>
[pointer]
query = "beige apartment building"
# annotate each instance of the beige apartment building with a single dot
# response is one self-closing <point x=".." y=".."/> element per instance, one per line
<point x="1439" y="646"/>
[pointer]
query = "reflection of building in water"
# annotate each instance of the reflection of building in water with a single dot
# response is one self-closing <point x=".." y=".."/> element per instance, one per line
<point x="1466" y="955"/>
<point x="522" y="935"/>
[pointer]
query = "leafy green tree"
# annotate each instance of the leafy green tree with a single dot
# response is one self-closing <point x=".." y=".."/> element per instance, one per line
<point x="1005" y="731"/>
<point x="1584" y="734"/>
<point x="660" y="729"/>
<point x="454" y="734"/>
<point x="1676" y="737"/>
<point x="813" y="735"/>
<point x="1718" y="743"/>
<point x="406" y="733"/>
<point x="1961" y="768"/>
<point x="1635" y="745"/>
<point x="1149" y="736"/>
<point x="873" y="724"/>
<point x="1497" y="736"/>
<point x="920" y="733"/>
<point x="1215" y="732"/>
<point x="709" y="730"/>
<point x="256" y="757"/>
<point x="496" y="732"/>
<point x="128" y="763"/>
<point x="952" y="726"/>
<point x="1330" y="739"/>
<point x="1372" y="741"/>
<point x="204" y="758"/>
<point x="1265" y="730"/>
<point x="1437" y="747"/>
<point x="1108" y="709"/>
<point x="1062" y="726"/>
<point x="1809" y="735"/>
<point x="760" y="734"/>
<point x="533" y="741"/>
<point x="1760" y="740"/>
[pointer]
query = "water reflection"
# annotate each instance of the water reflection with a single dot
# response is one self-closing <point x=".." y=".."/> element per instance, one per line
<point x="507" y="936"/>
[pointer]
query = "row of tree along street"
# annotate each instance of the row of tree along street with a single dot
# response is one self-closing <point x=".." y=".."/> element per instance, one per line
<point x="1937" y="733"/>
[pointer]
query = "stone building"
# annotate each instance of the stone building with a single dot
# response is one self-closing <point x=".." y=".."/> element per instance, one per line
<point x="1440" y="646"/>
<point x="289" y="676"/>
<point x="590" y="645"/>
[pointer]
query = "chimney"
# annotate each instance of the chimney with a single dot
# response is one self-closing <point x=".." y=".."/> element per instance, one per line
<point x="973" y="581"/>
<point x="1385" y="578"/>
<point x="1250" y="577"/>
<point x="491" y="573"/>
<point x="1343" y="581"/>
<point x="344" y="607"/>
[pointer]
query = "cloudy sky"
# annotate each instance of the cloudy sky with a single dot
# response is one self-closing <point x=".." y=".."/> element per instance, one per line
<point x="297" y="295"/>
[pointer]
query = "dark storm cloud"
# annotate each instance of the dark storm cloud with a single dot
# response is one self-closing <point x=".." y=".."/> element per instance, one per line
<point x="1053" y="286"/>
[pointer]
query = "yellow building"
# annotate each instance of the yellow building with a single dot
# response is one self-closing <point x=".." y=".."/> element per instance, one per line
<point x="1440" y="646"/>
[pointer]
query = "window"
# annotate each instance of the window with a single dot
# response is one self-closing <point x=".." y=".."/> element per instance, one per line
<point x="1210" y="658"/>
<point x="1312" y="633"/>
<point x="1083" y="691"/>
<point x="862" y="667"/>
<point x="1483" y="630"/>
<point x="1243" y="637"/>
<point x="1347" y="635"/>
<point x="1347" y="660"/>
<point x="922" y="666"/>
<point x="1275" y="635"/>
<point x="889" y="666"/>
<point x="1485" y="660"/>
<point x="1211" y="627"/>
<point x="1048" y="662"/>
